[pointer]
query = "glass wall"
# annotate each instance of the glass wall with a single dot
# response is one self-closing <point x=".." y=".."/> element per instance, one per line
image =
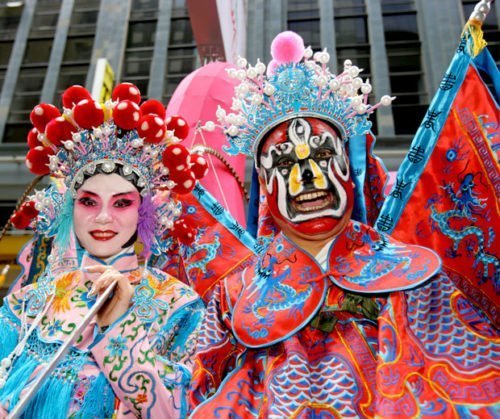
<point x="33" y="70"/>
<point x="79" y="44"/>
<point x="9" y="21"/>
<point x="181" y="57"/>
<point x="140" y="43"/>
<point x="405" y="67"/>
<point x="303" y="18"/>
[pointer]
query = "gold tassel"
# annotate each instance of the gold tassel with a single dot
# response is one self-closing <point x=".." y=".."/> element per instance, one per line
<point x="3" y="274"/>
<point x="473" y="31"/>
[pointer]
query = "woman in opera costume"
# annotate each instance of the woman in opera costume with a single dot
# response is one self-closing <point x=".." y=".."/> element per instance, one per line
<point x="134" y="357"/>
<point x="334" y="319"/>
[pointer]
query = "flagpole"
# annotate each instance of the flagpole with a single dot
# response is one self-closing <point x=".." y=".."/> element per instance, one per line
<point x="481" y="10"/>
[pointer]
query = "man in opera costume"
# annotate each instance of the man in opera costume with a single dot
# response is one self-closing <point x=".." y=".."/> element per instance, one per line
<point x="333" y="318"/>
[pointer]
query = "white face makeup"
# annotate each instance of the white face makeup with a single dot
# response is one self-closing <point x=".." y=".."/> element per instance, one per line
<point x="106" y="214"/>
<point x="309" y="173"/>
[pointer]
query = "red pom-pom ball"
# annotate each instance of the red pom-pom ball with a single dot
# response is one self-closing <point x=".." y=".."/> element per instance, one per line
<point x="199" y="165"/>
<point x="32" y="138"/>
<point x="179" y="125"/>
<point x="29" y="210"/>
<point x="176" y="158"/>
<point x="287" y="47"/>
<point x="127" y="114"/>
<point x="37" y="160"/>
<point x="153" y="106"/>
<point x="151" y="128"/>
<point x="88" y="114"/>
<point x="126" y="91"/>
<point x="20" y="221"/>
<point x="42" y="114"/>
<point x="185" y="181"/>
<point x="59" y="130"/>
<point x="74" y="94"/>
<point x="184" y="231"/>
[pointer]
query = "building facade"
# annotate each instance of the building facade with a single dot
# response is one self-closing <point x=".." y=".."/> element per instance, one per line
<point x="404" y="47"/>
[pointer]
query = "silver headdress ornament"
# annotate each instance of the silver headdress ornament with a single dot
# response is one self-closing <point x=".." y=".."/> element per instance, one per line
<point x="297" y="83"/>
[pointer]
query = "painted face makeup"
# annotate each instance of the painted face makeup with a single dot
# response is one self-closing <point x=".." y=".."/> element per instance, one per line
<point x="306" y="175"/>
<point x="106" y="214"/>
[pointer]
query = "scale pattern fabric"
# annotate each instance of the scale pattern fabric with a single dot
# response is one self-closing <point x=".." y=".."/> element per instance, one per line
<point x="414" y="349"/>
<point x="139" y="366"/>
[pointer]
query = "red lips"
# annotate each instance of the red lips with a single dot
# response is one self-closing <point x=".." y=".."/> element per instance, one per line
<point x="103" y="235"/>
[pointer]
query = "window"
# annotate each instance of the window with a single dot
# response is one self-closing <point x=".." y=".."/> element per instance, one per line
<point x="33" y="70"/>
<point x="351" y="35"/>
<point x="79" y="45"/>
<point x="180" y="32"/>
<point x="405" y="67"/>
<point x="71" y="74"/>
<point x="37" y="51"/>
<point x="181" y="58"/>
<point x="181" y="61"/>
<point x="16" y="132"/>
<point x="490" y="28"/>
<point x="140" y="43"/>
<point x="9" y="21"/>
<point x="5" y="49"/>
<point x="308" y="30"/>
<point x="141" y="34"/>
<point x="78" y="49"/>
<point x="303" y="18"/>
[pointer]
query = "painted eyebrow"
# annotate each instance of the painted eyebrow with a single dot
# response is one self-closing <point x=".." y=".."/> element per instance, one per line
<point x="88" y="192"/>
<point x="114" y="196"/>
<point x="123" y="194"/>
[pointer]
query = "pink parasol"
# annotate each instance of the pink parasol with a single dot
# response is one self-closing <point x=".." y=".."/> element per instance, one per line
<point x="196" y="99"/>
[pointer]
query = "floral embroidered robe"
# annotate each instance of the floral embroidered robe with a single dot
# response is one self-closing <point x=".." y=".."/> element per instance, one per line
<point x="378" y="333"/>
<point x="139" y="366"/>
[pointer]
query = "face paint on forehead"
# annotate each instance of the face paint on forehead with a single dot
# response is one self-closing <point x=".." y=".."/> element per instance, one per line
<point x="305" y="170"/>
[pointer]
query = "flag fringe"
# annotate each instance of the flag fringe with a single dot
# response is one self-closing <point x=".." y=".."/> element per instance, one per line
<point x="473" y="32"/>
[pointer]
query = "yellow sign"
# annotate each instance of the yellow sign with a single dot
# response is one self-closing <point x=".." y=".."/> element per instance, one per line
<point x="104" y="79"/>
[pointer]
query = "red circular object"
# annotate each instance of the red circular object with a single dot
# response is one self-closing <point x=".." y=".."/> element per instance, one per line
<point x="199" y="165"/>
<point x="126" y="91"/>
<point x="184" y="231"/>
<point x="42" y="114"/>
<point x="59" y="130"/>
<point x="37" y="160"/>
<point x="29" y="210"/>
<point x="153" y="106"/>
<point x="185" y="181"/>
<point x="32" y="138"/>
<point x="151" y="128"/>
<point x="179" y="125"/>
<point x="20" y="221"/>
<point x="176" y="158"/>
<point x="88" y="114"/>
<point x="74" y="94"/>
<point x="127" y="114"/>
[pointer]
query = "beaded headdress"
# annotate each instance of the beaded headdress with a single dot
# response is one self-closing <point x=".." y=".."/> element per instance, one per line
<point x="140" y="143"/>
<point x="296" y="83"/>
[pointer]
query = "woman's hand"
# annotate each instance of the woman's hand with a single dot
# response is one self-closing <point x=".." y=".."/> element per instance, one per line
<point x="119" y="302"/>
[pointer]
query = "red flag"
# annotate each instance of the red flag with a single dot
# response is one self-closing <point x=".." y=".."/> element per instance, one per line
<point x="446" y="193"/>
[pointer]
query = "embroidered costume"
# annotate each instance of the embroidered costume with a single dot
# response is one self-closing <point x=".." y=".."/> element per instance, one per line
<point x="139" y="365"/>
<point x="365" y="327"/>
